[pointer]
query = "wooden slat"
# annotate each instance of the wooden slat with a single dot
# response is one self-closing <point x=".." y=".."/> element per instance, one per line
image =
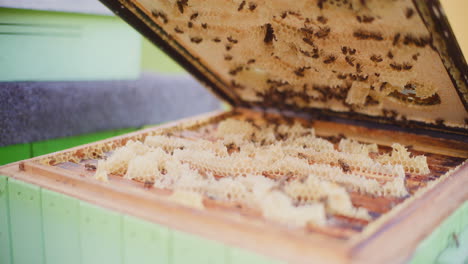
<point x="386" y="137"/>
<point x="5" y="230"/>
<point x="398" y="237"/>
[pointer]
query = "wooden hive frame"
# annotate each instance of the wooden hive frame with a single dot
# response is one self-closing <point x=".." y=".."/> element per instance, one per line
<point x="391" y="238"/>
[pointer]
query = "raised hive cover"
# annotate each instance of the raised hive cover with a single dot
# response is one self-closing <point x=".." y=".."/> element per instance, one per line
<point x="387" y="61"/>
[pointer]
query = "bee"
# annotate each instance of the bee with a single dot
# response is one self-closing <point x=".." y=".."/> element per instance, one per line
<point x="382" y="86"/>
<point x="417" y="41"/>
<point x="360" y="35"/>
<point x="178" y="30"/>
<point x="307" y="30"/>
<point x="359" y="67"/>
<point x="236" y="70"/>
<point x="391" y="114"/>
<point x="407" y="66"/>
<point x="322" y="19"/>
<point x="395" y="66"/>
<point x="252" y="6"/>
<point x="241" y="6"/>
<point x="323" y="32"/>
<point x="376" y="58"/>
<point x="439" y="122"/>
<point x="196" y="40"/>
<point x="232" y="40"/>
<point x="396" y="38"/>
<point x="371" y="101"/>
<point x="314" y="54"/>
<point x="309" y="41"/>
<point x="390" y="54"/>
<point x="194" y="16"/>
<point x="329" y="59"/>
<point x="21" y="166"/>
<point x="363" y="35"/>
<point x="362" y="78"/>
<point x="320" y="3"/>
<point x="365" y="19"/>
<point x="148" y="184"/>
<point x="204" y="25"/>
<point x="228" y="57"/>
<point x="350" y="60"/>
<point x="409" y="13"/>
<point x="160" y="14"/>
<point x="231" y="148"/>
<point x="217" y="40"/>
<point x="300" y="71"/>
<point x="344" y="166"/>
<point x="181" y="4"/>
<point x="234" y="84"/>
<point x="90" y="167"/>
<point x="341" y="76"/>
<point x="269" y="34"/>
<point x="344" y="50"/>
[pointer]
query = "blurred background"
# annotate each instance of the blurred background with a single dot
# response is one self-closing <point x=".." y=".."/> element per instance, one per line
<point x="72" y="73"/>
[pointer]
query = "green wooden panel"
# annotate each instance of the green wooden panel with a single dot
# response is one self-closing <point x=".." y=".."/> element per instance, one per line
<point x="442" y="237"/>
<point x="14" y="153"/>
<point x="25" y="222"/>
<point x="43" y="45"/>
<point x="60" y="219"/>
<point x="188" y="248"/>
<point x="456" y="253"/>
<point x="242" y="256"/>
<point x="5" y="244"/>
<point x="101" y="236"/>
<point x="145" y="242"/>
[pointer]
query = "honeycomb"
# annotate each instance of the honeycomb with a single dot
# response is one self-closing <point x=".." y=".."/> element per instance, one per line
<point x="284" y="171"/>
<point x="400" y="155"/>
<point x="372" y="57"/>
<point x="335" y="197"/>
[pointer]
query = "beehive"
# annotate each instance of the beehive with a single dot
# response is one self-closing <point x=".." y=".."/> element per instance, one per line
<point x="286" y="173"/>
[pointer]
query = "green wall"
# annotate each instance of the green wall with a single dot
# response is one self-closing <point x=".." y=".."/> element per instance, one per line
<point x="57" y="46"/>
<point x="153" y="59"/>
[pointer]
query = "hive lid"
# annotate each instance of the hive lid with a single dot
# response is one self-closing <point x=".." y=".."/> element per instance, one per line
<point x="385" y="61"/>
